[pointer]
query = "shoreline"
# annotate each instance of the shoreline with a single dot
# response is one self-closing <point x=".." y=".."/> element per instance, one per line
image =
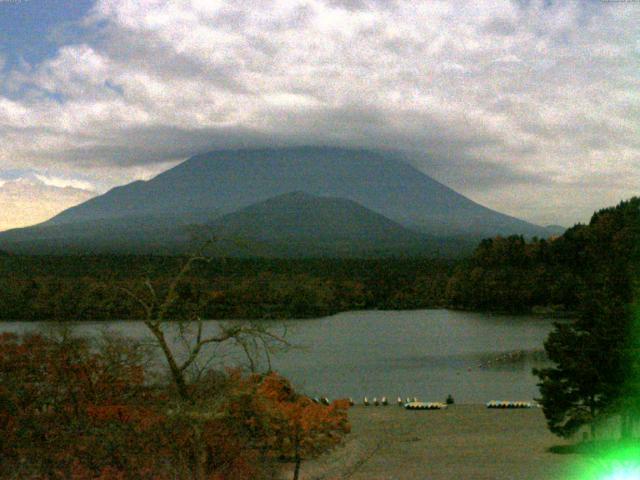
<point x="534" y="315"/>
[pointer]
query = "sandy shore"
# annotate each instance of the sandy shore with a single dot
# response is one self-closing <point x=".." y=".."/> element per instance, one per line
<point x="462" y="442"/>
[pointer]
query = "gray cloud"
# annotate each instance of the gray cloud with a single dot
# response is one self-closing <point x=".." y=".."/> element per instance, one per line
<point x="500" y="26"/>
<point x="520" y="105"/>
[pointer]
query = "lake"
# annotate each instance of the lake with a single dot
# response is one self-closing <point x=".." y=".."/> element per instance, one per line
<point x="475" y="357"/>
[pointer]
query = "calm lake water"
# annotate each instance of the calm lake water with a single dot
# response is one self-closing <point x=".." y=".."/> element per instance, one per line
<point x="424" y="353"/>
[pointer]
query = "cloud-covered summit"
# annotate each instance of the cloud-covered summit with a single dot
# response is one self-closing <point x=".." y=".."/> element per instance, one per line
<point x="529" y="107"/>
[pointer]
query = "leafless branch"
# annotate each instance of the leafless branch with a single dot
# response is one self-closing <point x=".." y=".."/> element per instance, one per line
<point x="156" y="308"/>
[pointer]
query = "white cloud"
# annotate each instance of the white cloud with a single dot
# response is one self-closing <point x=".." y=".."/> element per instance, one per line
<point x="65" y="182"/>
<point x="543" y="94"/>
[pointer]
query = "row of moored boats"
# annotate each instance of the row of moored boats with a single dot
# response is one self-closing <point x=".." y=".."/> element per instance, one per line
<point x="415" y="404"/>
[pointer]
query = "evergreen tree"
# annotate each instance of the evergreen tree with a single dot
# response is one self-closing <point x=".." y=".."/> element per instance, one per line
<point x="596" y="356"/>
<point x="589" y="373"/>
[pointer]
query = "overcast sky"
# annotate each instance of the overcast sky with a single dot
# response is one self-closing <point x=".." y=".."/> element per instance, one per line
<point x="528" y="107"/>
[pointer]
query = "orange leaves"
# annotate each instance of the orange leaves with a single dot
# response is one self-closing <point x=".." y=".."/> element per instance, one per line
<point x="276" y="388"/>
<point x="61" y="400"/>
<point x="302" y="428"/>
<point x="72" y="412"/>
<point x="278" y="422"/>
<point x="298" y="428"/>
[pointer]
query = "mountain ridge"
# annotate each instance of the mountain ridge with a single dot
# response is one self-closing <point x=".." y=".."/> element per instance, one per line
<point x="223" y="181"/>
<point x="216" y="184"/>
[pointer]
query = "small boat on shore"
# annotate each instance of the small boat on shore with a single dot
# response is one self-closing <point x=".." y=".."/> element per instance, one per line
<point x="509" y="404"/>
<point x="425" y="406"/>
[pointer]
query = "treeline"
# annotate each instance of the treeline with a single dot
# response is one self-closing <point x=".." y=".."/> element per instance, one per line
<point x="507" y="274"/>
<point x="107" y="287"/>
<point x="514" y="275"/>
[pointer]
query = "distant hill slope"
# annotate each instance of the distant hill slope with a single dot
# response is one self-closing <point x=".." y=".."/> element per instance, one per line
<point x="295" y="223"/>
<point x="298" y="215"/>
<point x="148" y="215"/>
<point x="164" y="235"/>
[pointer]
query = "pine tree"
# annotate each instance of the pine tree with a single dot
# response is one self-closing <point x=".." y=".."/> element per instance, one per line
<point x="596" y="356"/>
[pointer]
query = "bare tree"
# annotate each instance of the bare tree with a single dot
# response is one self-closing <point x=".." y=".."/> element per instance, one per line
<point x="252" y="338"/>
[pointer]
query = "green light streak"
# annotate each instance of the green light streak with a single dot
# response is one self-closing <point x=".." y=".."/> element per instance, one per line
<point x="621" y="462"/>
<point x="618" y="459"/>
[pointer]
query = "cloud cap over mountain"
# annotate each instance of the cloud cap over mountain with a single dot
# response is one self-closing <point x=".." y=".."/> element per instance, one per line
<point x="528" y="107"/>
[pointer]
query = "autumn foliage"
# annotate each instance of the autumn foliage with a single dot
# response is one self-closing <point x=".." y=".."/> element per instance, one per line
<point x="67" y="412"/>
<point x="72" y="411"/>
<point x="301" y="429"/>
<point x="288" y="426"/>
